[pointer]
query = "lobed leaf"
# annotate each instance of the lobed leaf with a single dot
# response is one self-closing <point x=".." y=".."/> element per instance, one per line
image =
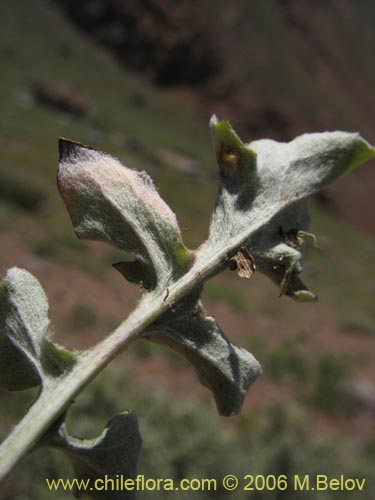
<point x="27" y="356"/>
<point x="111" y="456"/>
<point x="262" y="186"/>
<point x="109" y="202"/>
<point x="227" y="370"/>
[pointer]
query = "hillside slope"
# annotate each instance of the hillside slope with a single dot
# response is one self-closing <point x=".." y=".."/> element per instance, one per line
<point x="276" y="68"/>
<point x="317" y="358"/>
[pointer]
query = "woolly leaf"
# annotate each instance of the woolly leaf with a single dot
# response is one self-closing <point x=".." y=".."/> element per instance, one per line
<point x="227" y="370"/>
<point x="111" y="456"/>
<point x="27" y="356"/>
<point x="109" y="202"/>
<point x="261" y="186"/>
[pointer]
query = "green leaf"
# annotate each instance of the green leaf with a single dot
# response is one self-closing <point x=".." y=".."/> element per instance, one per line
<point x="111" y="456"/>
<point x="27" y="356"/>
<point x="109" y="202"/>
<point x="262" y="186"/>
<point x="227" y="370"/>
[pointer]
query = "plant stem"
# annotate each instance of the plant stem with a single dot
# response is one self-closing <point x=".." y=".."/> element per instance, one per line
<point x="57" y="394"/>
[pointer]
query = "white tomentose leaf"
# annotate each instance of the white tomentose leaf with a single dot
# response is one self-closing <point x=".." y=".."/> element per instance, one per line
<point x="23" y="325"/>
<point x="259" y="179"/>
<point x="110" y="202"/>
<point x="27" y="355"/>
<point x="110" y="459"/>
<point x="227" y="370"/>
<point x="262" y="186"/>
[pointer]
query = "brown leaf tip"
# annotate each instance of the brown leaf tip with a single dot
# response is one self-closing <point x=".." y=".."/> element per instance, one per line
<point x="69" y="150"/>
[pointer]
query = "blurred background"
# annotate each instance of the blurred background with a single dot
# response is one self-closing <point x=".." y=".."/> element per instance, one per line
<point x="140" y="79"/>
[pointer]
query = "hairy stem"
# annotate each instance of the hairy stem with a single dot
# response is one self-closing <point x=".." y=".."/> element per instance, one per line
<point x="56" y="397"/>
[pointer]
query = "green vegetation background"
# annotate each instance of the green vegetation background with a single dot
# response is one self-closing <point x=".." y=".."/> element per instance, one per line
<point x="305" y="419"/>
